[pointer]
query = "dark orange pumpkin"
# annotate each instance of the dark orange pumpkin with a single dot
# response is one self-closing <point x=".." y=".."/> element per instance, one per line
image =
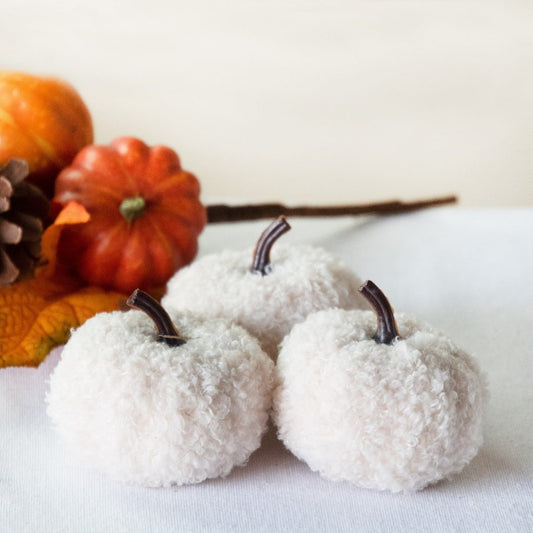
<point x="145" y="215"/>
<point x="43" y="120"/>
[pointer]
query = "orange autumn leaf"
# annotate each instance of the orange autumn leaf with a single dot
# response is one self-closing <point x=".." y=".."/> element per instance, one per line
<point x="72" y="213"/>
<point x="37" y="314"/>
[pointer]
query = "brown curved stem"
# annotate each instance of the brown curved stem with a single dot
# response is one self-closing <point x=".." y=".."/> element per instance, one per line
<point x="261" y="258"/>
<point x="387" y="332"/>
<point x="166" y="330"/>
<point x="217" y="213"/>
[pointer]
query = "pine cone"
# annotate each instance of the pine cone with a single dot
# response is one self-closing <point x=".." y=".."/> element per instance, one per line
<point x="23" y="208"/>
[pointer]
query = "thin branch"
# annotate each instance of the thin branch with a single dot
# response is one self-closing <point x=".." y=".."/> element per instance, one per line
<point x="217" y="213"/>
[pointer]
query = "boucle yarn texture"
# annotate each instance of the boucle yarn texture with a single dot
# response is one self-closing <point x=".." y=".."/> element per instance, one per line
<point x="150" y="414"/>
<point x="302" y="279"/>
<point x="395" y="417"/>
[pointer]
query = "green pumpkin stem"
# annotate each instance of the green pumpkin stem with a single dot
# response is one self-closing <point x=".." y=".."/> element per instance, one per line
<point x="132" y="208"/>
<point x="387" y="331"/>
<point x="166" y="330"/>
<point x="261" y="257"/>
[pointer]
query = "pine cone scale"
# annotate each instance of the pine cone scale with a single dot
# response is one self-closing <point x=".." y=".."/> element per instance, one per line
<point x="10" y="233"/>
<point x="23" y="207"/>
<point x="17" y="170"/>
<point x="32" y="227"/>
<point x="8" y="271"/>
<point x="29" y="199"/>
<point x="6" y="191"/>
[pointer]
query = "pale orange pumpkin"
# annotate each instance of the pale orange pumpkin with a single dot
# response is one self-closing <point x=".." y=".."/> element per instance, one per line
<point x="145" y="211"/>
<point x="44" y="121"/>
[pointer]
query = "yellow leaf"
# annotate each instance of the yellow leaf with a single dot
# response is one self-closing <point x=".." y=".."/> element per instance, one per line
<point x="37" y="314"/>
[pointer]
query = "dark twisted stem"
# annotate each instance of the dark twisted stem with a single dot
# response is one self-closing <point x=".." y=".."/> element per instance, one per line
<point x="387" y="331"/>
<point x="261" y="258"/>
<point x="166" y="330"/>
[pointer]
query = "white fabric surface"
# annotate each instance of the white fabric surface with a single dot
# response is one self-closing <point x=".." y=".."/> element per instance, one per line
<point x="468" y="272"/>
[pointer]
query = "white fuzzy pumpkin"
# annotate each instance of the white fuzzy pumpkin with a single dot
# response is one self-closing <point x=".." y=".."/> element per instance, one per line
<point x="388" y="417"/>
<point x="157" y="415"/>
<point x="299" y="280"/>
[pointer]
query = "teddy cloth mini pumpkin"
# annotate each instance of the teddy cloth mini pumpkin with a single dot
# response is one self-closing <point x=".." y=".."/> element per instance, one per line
<point x="267" y="289"/>
<point x="393" y="409"/>
<point x="161" y="408"/>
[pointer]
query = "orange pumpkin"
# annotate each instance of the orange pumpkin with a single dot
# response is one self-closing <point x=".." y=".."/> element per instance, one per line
<point x="145" y="215"/>
<point x="44" y="121"/>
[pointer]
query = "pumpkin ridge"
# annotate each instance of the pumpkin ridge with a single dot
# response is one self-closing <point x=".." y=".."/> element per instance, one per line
<point x="186" y="221"/>
<point x="179" y="181"/>
<point x="86" y="163"/>
<point x="92" y="204"/>
<point x="135" y="234"/>
<point x="168" y="198"/>
<point x="93" y="250"/>
<point x="182" y="235"/>
<point x="135" y="182"/>
<point x="88" y="230"/>
<point x="82" y="193"/>
<point x="164" y="238"/>
<point x="66" y="108"/>
<point x="8" y="118"/>
<point x="170" y="202"/>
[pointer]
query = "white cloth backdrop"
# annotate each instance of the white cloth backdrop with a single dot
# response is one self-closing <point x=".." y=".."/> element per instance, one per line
<point x="303" y="100"/>
<point x="468" y="272"/>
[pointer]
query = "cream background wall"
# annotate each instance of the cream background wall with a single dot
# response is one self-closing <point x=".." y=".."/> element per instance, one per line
<point x="303" y="101"/>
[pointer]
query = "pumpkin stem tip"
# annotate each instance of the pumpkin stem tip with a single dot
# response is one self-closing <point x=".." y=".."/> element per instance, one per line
<point x="132" y="208"/>
<point x="166" y="331"/>
<point x="387" y="331"/>
<point x="261" y="257"/>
